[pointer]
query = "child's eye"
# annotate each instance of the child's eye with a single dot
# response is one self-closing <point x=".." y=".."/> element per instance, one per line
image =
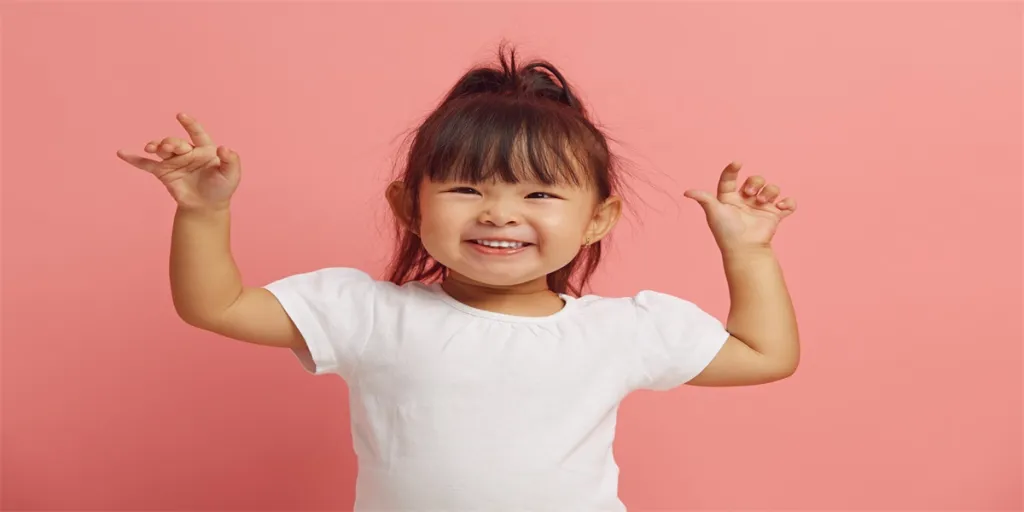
<point x="464" y="190"/>
<point x="541" y="195"/>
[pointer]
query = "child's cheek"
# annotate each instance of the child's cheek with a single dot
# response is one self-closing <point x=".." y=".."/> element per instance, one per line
<point x="559" y="230"/>
<point x="444" y="227"/>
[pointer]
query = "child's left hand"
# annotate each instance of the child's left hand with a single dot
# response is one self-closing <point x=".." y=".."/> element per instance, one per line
<point x="743" y="219"/>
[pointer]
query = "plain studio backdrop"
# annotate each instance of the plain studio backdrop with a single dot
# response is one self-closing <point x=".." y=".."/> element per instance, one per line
<point x="897" y="126"/>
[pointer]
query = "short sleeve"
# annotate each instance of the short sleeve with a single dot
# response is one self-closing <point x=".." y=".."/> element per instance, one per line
<point x="334" y="310"/>
<point x="675" y="340"/>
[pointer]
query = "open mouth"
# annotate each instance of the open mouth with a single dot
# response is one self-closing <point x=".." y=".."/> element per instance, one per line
<point x="499" y="246"/>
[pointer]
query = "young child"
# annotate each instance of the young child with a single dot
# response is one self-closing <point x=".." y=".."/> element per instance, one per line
<point x="481" y="378"/>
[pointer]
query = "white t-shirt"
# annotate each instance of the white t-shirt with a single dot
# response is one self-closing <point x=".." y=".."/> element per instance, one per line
<point x="459" y="409"/>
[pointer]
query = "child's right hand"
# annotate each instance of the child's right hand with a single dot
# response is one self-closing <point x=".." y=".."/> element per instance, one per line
<point x="199" y="175"/>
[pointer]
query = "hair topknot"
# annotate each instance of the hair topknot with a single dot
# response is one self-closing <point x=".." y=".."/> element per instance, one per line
<point x="537" y="79"/>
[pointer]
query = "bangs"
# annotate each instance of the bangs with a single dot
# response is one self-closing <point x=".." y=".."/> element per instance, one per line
<point x="484" y="139"/>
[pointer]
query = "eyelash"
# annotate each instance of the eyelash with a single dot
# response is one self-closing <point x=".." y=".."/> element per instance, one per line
<point x="462" y="190"/>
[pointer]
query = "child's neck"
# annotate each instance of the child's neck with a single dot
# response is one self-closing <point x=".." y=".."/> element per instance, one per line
<point x="532" y="298"/>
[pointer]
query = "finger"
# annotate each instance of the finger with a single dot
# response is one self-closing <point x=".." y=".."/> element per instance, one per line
<point x="195" y="131"/>
<point x="230" y="163"/>
<point x="727" y="181"/>
<point x="702" y="197"/>
<point x="182" y="148"/>
<point x="170" y="147"/>
<point x="752" y="186"/>
<point x="167" y="151"/>
<point x="141" y="162"/>
<point x="153" y="145"/>
<point x="768" y="194"/>
<point x="167" y="144"/>
<point x="786" y="207"/>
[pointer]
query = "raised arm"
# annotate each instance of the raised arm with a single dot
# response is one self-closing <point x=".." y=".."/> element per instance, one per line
<point x="206" y="284"/>
<point x="764" y="343"/>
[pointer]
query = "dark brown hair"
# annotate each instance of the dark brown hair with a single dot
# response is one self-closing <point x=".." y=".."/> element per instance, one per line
<point x="509" y="122"/>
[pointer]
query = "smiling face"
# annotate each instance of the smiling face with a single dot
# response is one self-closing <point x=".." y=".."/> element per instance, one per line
<point x="506" y="234"/>
<point x="502" y="189"/>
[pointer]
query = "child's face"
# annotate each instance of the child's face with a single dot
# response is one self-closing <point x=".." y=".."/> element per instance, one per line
<point x="505" y="234"/>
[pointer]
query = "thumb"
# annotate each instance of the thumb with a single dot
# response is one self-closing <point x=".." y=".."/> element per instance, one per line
<point x="704" y="199"/>
<point x="230" y="164"/>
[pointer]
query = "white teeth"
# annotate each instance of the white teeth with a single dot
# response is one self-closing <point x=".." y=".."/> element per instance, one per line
<point x="501" y="244"/>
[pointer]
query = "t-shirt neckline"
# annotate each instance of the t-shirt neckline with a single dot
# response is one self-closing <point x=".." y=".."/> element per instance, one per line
<point x="569" y="300"/>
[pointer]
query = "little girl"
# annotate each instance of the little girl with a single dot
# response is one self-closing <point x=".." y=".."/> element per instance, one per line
<point x="481" y="378"/>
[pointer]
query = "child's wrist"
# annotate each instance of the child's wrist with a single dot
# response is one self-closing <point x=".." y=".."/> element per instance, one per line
<point x="210" y="210"/>
<point x="747" y="251"/>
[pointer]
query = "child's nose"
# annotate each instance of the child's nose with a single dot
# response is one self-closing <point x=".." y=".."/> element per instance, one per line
<point x="498" y="214"/>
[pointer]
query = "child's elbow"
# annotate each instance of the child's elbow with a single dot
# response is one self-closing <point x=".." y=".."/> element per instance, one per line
<point x="194" y="317"/>
<point x="786" y="369"/>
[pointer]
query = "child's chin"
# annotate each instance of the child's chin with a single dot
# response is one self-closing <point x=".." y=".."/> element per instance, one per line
<point x="496" y="278"/>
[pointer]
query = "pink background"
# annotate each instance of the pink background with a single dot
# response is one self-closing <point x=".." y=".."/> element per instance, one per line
<point x="896" y="126"/>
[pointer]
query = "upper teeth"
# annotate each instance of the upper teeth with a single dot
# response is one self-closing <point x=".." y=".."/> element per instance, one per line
<point x="500" y="243"/>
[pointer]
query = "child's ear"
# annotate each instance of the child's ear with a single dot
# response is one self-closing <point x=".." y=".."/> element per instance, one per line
<point x="401" y="203"/>
<point x="606" y="215"/>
